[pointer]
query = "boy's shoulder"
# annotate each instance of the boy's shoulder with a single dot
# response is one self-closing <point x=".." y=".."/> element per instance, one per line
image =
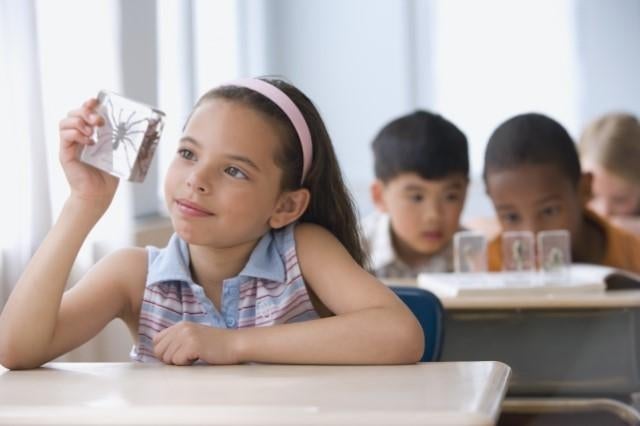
<point x="494" y="253"/>
<point x="375" y="223"/>
<point x="376" y="237"/>
<point x="621" y="246"/>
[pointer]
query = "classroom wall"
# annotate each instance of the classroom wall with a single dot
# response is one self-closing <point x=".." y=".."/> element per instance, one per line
<point x="352" y="58"/>
<point x="608" y="35"/>
<point x="365" y="62"/>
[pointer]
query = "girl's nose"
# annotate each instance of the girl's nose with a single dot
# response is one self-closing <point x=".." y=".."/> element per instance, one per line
<point x="198" y="184"/>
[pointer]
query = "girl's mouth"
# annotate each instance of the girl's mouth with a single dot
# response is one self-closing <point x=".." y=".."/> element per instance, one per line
<point x="189" y="208"/>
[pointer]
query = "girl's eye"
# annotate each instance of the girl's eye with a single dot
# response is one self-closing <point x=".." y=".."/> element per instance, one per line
<point x="187" y="154"/>
<point x="235" y="172"/>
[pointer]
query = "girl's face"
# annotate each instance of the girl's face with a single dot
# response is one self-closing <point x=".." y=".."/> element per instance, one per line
<point x="613" y="195"/>
<point x="223" y="185"/>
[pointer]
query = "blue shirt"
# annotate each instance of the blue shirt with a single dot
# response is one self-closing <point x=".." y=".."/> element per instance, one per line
<point x="269" y="290"/>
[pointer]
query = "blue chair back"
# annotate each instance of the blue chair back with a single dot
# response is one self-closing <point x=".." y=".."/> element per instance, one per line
<point x="428" y="310"/>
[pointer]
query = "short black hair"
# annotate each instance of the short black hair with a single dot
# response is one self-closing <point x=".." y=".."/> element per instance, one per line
<point x="532" y="138"/>
<point x="421" y="142"/>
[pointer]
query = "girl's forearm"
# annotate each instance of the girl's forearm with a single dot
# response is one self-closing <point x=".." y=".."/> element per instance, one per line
<point x="371" y="336"/>
<point x="28" y="320"/>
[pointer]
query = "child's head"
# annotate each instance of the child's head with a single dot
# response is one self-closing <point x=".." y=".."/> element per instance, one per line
<point x="241" y="160"/>
<point x="421" y="167"/>
<point x="533" y="177"/>
<point x="610" y="149"/>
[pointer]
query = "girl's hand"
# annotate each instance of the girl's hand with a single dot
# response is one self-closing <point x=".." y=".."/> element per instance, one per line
<point x="86" y="182"/>
<point x="186" y="342"/>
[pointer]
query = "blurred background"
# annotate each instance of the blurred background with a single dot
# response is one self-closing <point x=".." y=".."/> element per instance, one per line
<point x="363" y="62"/>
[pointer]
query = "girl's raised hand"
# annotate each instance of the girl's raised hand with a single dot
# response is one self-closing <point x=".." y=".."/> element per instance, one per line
<point x="86" y="182"/>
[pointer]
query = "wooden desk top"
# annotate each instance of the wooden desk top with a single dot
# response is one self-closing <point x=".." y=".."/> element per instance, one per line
<point x="612" y="299"/>
<point x="461" y="393"/>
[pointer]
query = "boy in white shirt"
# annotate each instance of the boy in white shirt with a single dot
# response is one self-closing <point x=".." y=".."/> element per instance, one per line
<point x="422" y="168"/>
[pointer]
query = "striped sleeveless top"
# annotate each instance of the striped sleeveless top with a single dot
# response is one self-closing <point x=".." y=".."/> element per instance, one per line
<point x="268" y="291"/>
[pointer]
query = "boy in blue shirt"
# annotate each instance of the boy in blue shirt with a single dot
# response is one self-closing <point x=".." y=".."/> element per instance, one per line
<point x="422" y="168"/>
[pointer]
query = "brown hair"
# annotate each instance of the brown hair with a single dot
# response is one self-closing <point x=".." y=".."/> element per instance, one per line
<point x="613" y="142"/>
<point x="331" y="205"/>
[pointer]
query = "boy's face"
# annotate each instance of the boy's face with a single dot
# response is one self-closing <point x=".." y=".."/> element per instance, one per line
<point x="536" y="198"/>
<point x="424" y="213"/>
<point x="613" y="195"/>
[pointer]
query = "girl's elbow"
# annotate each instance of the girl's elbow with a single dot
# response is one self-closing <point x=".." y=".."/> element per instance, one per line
<point x="410" y="341"/>
<point x="414" y="343"/>
<point x="14" y="359"/>
<point x="13" y="362"/>
<point x="8" y="359"/>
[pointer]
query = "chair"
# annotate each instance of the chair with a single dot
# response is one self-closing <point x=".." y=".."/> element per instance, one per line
<point x="428" y="310"/>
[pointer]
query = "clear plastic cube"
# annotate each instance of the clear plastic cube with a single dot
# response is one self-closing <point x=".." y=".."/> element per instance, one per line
<point x="126" y="143"/>
<point x="469" y="252"/>
<point x="518" y="251"/>
<point x="554" y="254"/>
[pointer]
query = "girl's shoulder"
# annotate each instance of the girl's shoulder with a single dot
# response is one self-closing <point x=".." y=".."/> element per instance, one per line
<point x="315" y="239"/>
<point x="128" y="269"/>
<point x="306" y="230"/>
<point x="127" y="263"/>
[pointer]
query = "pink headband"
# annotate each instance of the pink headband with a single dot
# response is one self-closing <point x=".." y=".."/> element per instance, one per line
<point x="292" y="112"/>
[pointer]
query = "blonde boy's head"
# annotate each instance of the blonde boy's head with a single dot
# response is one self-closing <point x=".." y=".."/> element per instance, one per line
<point x="610" y="148"/>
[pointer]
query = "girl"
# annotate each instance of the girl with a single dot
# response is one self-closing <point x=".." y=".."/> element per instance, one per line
<point x="264" y="265"/>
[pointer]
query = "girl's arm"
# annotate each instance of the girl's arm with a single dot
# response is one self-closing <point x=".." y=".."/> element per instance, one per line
<point x="371" y="325"/>
<point x="37" y="323"/>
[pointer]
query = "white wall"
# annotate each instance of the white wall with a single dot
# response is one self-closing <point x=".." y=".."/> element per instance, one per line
<point x="608" y="34"/>
<point x="352" y="59"/>
<point x="477" y="63"/>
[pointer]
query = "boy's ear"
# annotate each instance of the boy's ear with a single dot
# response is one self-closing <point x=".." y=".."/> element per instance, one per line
<point x="585" y="193"/>
<point x="289" y="208"/>
<point x="377" y="195"/>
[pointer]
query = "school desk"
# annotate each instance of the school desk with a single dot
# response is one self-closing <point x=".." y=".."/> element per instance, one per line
<point x="568" y="345"/>
<point x="460" y="393"/>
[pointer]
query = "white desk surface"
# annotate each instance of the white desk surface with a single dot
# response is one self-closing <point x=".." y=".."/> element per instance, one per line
<point x="461" y="393"/>
<point x="612" y="299"/>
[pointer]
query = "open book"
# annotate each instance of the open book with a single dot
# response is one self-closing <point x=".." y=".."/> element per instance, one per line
<point x="579" y="278"/>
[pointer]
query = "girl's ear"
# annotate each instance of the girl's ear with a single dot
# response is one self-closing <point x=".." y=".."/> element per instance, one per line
<point x="584" y="188"/>
<point x="377" y="195"/>
<point x="289" y="208"/>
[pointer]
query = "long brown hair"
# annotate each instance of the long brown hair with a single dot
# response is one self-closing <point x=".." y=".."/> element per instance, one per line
<point x="331" y="205"/>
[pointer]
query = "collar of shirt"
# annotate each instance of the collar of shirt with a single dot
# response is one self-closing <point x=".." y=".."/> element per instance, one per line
<point x="381" y="246"/>
<point x="172" y="263"/>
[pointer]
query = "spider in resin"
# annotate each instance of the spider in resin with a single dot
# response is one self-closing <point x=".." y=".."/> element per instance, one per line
<point x="121" y="132"/>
